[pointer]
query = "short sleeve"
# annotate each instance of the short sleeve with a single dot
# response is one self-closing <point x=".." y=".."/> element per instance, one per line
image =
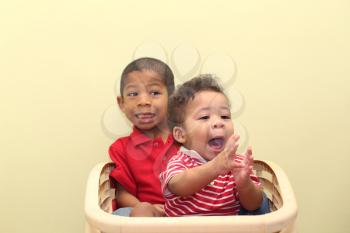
<point x="122" y="173"/>
<point x="174" y="166"/>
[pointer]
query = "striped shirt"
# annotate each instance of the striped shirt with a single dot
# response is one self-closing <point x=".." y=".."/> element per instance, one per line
<point x="220" y="197"/>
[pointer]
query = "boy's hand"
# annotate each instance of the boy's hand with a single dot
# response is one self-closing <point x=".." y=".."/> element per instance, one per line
<point x="242" y="174"/>
<point x="159" y="210"/>
<point x="225" y="160"/>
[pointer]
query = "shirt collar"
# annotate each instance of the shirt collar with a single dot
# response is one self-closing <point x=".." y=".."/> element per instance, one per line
<point x="138" y="138"/>
<point x="193" y="154"/>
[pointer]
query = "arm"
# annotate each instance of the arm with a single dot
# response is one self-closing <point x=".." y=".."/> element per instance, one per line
<point x="139" y="209"/>
<point x="124" y="198"/>
<point x="122" y="175"/>
<point x="250" y="195"/>
<point x="193" y="180"/>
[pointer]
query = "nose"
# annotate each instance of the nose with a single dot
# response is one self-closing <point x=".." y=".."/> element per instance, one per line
<point x="217" y="123"/>
<point x="144" y="100"/>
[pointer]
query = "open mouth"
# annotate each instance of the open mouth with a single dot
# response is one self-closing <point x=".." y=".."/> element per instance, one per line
<point x="145" y="117"/>
<point x="217" y="143"/>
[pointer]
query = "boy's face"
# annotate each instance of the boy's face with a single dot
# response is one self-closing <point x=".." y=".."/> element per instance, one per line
<point x="145" y="101"/>
<point x="207" y="125"/>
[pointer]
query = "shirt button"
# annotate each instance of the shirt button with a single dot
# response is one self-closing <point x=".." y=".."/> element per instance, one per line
<point x="155" y="144"/>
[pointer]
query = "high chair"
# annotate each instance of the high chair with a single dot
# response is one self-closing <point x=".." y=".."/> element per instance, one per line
<point x="100" y="194"/>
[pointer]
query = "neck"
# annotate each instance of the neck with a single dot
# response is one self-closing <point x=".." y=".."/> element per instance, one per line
<point x="158" y="131"/>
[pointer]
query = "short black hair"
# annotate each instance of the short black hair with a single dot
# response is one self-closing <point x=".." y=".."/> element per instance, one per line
<point x="186" y="92"/>
<point x="152" y="64"/>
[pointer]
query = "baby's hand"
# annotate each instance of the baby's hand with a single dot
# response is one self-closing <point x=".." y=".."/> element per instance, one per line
<point x="242" y="174"/>
<point x="225" y="160"/>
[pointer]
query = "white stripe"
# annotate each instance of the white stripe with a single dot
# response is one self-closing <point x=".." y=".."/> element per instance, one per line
<point x="191" y="205"/>
<point x="230" y="195"/>
<point x="221" y="187"/>
<point x="174" y="206"/>
<point x="216" y="205"/>
<point x="191" y="201"/>
<point x="172" y="212"/>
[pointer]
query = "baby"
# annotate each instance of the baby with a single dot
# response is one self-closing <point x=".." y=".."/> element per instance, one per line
<point x="207" y="176"/>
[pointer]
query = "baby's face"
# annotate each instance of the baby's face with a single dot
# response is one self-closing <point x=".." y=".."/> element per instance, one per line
<point x="208" y="123"/>
<point x="145" y="100"/>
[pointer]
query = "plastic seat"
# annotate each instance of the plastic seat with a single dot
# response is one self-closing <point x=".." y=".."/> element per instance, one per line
<point x="100" y="195"/>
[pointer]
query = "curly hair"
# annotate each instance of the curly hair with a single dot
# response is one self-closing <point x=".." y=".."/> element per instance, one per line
<point x="184" y="93"/>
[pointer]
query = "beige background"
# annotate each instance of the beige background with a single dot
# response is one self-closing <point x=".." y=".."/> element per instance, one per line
<point x="59" y="61"/>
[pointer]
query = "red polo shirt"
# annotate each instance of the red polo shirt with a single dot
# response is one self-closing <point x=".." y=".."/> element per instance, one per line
<point x="139" y="160"/>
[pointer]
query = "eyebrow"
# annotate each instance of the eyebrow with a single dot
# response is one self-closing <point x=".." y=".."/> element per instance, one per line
<point x="208" y="108"/>
<point x="135" y="85"/>
<point x="155" y="84"/>
<point x="132" y="85"/>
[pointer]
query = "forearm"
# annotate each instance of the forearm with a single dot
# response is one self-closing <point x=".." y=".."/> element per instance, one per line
<point x="124" y="198"/>
<point x="192" y="180"/>
<point x="250" y="196"/>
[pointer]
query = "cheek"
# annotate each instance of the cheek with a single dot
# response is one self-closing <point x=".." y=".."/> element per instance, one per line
<point x="125" y="109"/>
<point x="198" y="132"/>
<point x="231" y="129"/>
<point x="162" y="105"/>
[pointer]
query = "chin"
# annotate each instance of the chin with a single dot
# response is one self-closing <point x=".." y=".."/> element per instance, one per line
<point x="210" y="156"/>
<point x="144" y="127"/>
<point x="215" y="153"/>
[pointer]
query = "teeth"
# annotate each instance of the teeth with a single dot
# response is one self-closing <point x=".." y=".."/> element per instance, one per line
<point x="144" y="115"/>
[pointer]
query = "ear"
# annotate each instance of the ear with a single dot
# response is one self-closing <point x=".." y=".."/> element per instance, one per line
<point x="179" y="134"/>
<point x="120" y="103"/>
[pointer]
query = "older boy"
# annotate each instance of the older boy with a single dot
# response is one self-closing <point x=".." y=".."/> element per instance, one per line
<point x="145" y="86"/>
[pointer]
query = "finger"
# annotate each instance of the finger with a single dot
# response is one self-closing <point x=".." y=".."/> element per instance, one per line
<point x="231" y="144"/>
<point x="238" y="162"/>
<point x="237" y="137"/>
<point x="249" y="151"/>
<point x="249" y="155"/>
<point x="160" y="207"/>
<point x="234" y="149"/>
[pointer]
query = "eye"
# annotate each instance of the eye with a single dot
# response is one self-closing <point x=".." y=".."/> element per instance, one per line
<point x="225" y="117"/>
<point x="155" y="93"/>
<point x="206" y="117"/>
<point x="132" y="94"/>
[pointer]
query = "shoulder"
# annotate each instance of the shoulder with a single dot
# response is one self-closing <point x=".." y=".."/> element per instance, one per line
<point x="120" y="145"/>
<point x="135" y="133"/>
<point x="180" y="155"/>
<point x="182" y="159"/>
<point x="120" y="141"/>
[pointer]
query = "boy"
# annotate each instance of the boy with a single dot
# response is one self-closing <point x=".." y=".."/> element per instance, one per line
<point x="207" y="176"/>
<point x="145" y="86"/>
